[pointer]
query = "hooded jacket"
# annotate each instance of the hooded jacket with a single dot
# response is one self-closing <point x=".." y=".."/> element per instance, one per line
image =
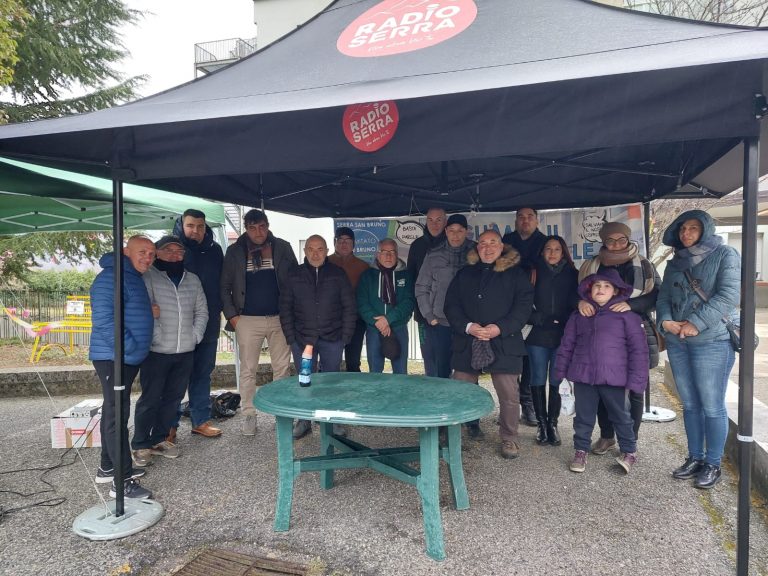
<point x="440" y="266"/>
<point x="233" y="281"/>
<point x="183" y="311"/>
<point x="499" y="293"/>
<point x="205" y="260"/>
<point x="718" y="274"/>
<point x="137" y="320"/>
<point x="317" y="303"/>
<point x="369" y="304"/>
<point x="608" y="348"/>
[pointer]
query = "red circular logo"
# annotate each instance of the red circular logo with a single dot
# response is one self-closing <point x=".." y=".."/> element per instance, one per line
<point x="396" y="26"/>
<point x="369" y="127"/>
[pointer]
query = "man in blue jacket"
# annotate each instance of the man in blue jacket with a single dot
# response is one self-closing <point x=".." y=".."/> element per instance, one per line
<point x="204" y="258"/>
<point x="138" y="256"/>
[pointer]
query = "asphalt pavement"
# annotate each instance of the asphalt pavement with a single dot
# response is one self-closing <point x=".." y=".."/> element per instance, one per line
<point x="528" y="516"/>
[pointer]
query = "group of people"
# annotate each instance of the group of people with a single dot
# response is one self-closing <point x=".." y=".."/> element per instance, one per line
<point x="514" y="307"/>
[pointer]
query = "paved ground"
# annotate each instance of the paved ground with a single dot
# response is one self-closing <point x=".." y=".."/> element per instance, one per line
<point x="529" y="516"/>
<point x="761" y="358"/>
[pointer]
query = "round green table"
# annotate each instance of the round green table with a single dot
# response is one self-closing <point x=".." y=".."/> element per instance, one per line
<point x="395" y="400"/>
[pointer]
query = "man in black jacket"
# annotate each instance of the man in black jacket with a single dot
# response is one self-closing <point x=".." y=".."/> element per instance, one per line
<point x="433" y="236"/>
<point x="204" y="258"/>
<point x="528" y="240"/>
<point x="317" y="309"/>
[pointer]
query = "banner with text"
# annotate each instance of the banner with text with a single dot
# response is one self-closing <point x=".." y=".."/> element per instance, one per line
<point x="580" y="227"/>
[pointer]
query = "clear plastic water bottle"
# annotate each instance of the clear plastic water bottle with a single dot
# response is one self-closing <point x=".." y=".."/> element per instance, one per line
<point x="305" y="370"/>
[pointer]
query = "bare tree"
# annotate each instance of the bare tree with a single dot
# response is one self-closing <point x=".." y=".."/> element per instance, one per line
<point x="743" y="12"/>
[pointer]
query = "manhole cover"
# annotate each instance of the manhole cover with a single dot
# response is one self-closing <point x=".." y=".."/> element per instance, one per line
<point x="225" y="563"/>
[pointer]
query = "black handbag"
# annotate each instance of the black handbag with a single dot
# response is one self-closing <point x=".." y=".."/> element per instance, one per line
<point x="733" y="327"/>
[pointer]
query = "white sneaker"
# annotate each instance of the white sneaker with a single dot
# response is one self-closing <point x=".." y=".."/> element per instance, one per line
<point x="249" y="425"/>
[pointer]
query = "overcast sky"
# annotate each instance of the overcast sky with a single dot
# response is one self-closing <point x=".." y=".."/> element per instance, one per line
<point x="162" y="43"/>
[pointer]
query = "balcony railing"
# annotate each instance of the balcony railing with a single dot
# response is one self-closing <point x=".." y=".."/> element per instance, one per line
<point x="223" y="50"/>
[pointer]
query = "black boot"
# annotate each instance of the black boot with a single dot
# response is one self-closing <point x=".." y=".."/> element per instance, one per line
<point x="526" y="401"/>
<point x="539" y="394"/>
<point x="553" y="410"/>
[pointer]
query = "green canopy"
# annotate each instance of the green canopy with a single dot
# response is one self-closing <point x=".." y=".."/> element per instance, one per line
<point x="36" y="198"/>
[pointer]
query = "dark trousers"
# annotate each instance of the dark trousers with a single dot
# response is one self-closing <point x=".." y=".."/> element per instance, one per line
<point x="636" y="410"/>
<point x="326" y="355"/>
<point x="164" y="379"/>
<point x="105" y="370"/>
<point x="437" y="339"/>
<point x="199" y="389"/>
<point x="426" y="352"/>
<point x="615" y="400"/>
<point x="526" y="398"/>
<point x="353" y="350"/>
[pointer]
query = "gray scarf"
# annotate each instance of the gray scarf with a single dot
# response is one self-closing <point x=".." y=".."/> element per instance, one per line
<point x="687" y="258"/>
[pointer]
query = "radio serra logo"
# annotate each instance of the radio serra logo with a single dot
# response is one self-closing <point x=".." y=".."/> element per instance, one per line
<point x="368" y="127"/>
<point x="396" y="26"/>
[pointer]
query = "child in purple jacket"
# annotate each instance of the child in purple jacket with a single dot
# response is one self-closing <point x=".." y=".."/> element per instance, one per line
<point x="604" y="355"/>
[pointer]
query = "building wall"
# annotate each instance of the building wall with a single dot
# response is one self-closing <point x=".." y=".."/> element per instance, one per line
<point x="275" y="18"/>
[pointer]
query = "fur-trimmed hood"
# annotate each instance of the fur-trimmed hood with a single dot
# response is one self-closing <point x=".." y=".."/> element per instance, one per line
<point x="509" y="259"/>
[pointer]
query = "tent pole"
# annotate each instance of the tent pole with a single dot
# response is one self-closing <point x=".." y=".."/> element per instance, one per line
<point x="119" y="363"/>
<point x="647" y="239"/>
<point x="747" y="355"/>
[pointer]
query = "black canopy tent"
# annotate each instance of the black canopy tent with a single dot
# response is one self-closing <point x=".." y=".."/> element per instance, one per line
<point x="560" y="103"/>
<point x="552" y="103"/>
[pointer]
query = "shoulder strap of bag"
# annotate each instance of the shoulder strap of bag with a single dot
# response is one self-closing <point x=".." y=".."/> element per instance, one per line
<point x="695" y="285"/>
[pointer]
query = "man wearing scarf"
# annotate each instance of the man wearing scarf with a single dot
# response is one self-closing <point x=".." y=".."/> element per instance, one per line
<point x="619" y="253"/>
<point x="385" y="301"/>
<point x="255" y="271"/>
<point x="181" y="316"/>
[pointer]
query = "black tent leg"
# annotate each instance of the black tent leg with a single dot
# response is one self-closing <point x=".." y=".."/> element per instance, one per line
<point x="747" y="356"/>
<point x="119" y="363"/>
<point x="647" y="239"/>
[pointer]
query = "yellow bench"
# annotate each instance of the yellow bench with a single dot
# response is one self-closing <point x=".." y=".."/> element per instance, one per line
<point x="77" y="320"/>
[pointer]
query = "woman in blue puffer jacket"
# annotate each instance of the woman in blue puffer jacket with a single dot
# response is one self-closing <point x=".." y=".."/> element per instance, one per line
<point x="698" y="344"/>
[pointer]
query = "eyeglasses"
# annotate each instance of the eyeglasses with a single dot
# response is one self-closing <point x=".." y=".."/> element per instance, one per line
<point x="623" y="241"/>
<point x="388" y="252"/>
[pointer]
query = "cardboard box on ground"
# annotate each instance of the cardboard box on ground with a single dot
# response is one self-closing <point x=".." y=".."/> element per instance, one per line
<point x="78" y="426"/>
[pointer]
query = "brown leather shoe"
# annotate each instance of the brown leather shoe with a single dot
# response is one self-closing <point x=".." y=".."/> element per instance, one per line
<point x="207" y="429"/>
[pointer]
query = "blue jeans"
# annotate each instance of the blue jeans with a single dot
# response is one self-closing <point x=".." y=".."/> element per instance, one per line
<point x="437" y="339"/>
<point x="701" y="375"/>
<point x="376" y="358"/>
<point x="542" y="361"/>
<point x="199" y="390"/>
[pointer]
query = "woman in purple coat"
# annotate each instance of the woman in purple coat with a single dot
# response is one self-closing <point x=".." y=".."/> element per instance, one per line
<point x="605" y="355"/>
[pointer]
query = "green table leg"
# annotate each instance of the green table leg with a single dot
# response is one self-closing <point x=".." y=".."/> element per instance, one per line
<point x="428" y="485"/>
<point x="284" y="427"/>
<point x="456" y="469"/>
<point x="326" y="449"/>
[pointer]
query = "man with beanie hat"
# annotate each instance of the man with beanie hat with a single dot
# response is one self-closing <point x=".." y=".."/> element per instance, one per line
<point x="343" y="257"/>
<point x="433" y="236"/>
<point x="440" y="266"/>
<point x="181" y="316"/>
<point x="529" y="241"/>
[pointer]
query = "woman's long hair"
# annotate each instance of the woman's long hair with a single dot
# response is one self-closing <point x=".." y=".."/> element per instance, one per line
<point x="563" y="245"/>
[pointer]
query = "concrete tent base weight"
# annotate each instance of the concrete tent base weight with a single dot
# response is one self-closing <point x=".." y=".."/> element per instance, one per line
<point x="100" y="523"/>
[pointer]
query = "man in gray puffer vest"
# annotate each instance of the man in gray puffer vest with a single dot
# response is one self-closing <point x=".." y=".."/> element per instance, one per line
<point x="181" y="316"/>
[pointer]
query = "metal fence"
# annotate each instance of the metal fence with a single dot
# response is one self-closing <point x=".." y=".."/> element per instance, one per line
<point x="33" y="306"/>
